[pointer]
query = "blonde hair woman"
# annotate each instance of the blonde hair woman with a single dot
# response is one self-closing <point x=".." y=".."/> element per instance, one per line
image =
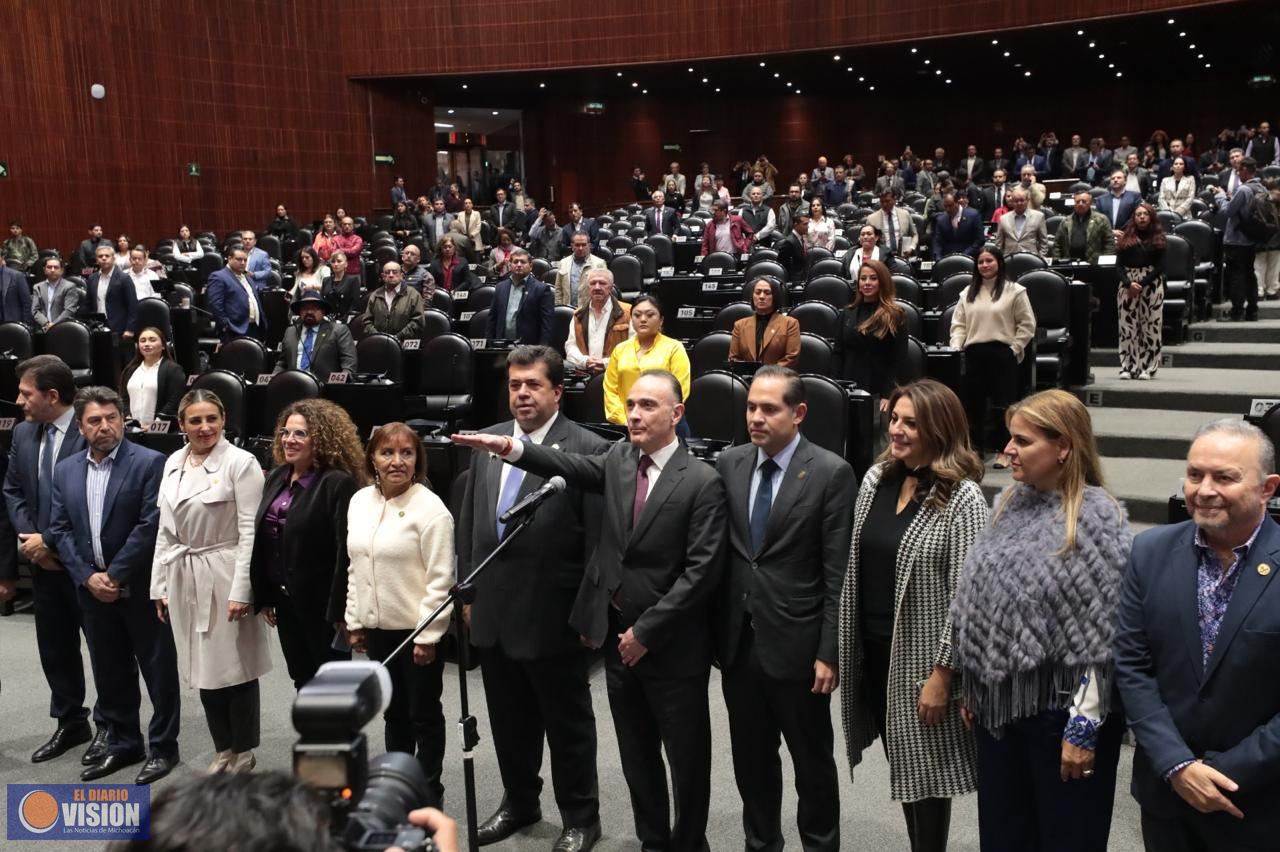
<point x="1034" y="620"/>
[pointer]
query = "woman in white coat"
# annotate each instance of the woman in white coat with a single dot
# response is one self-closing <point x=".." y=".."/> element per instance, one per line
<point x="200" y="580"/>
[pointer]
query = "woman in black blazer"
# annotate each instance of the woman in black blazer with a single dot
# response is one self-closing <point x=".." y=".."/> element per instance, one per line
<point x="447" y="252"/>
<point x="872" y="343"/>
<point x="340" y="290"/>
<point x="299" y="564"/>
<point x="152" y="383"/>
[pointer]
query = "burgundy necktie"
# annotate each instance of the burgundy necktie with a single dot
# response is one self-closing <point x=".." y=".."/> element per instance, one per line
<point x="642" y="489"/>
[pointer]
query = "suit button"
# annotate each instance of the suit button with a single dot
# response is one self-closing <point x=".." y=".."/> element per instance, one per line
<point x="744" y="596"/>
<point x="754" y="566"/>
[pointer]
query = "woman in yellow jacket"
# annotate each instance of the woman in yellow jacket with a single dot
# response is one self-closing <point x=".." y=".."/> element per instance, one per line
<point x="648" y="350"/>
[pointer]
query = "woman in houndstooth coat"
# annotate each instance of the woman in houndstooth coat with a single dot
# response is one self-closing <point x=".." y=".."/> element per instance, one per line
<point x="918" y="511"/>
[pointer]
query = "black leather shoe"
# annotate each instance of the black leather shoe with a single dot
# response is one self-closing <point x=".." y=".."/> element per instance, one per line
<point x="504" y="823"/>
<point x="155" y="769"/>
<point x="112" y="764"/>
<point x="97" y="749"/>
<point x="65" y="738"/>
<point x="578" y="839"/>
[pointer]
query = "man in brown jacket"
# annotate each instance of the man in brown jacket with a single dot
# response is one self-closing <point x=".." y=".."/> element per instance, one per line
<point x="394" y="308"/>
<point x="600" y="323"/>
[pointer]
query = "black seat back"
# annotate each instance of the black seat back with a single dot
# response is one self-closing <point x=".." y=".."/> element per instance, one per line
<point x="827" y="423"/>
<point x="380" y="353"/>
<point x="663" y="250"/>
<point x="816" y="355"/>
<point x="648" y="260"/>
<point x="731" y="313"/>
<point x="723" y="261"/>
<point x="911" y="319"/>
<point x="710" y="352"/>
<point x="15" y="340"/>
<point x="284" y="389"/>
<point x="154" y="312"/>
<point x="717" y="407"/>
<point x="1021" y="262"/>
<point x="561" y="322"/>
<point x="230" y="388"/>
<point x="817" y="317"/>
<point x="244" y="356"/>
<point x="914" y="367"/>
<point x="1179" y="259"/>
<point x="628" y="274"/>
<point x="1049" y="294"/>
<point x="832" y="289"/>
<point x="825" y="266"/>
<point x="953" y="264"/>
<point x="906" y="287"/>
<point x="70" y="340"/>
<point x="434" y="323"/>
<point x="952" y="286"/>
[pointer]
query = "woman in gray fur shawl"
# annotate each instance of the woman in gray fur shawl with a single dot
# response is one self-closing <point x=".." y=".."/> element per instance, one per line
<point x="917" y="514"/>
<point x="1034" y="618"/>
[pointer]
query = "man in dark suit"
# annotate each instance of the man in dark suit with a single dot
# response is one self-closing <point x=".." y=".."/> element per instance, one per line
<point x="660" y="219"/>
<point x="536" y="672"/>
<point x="104" y="521"/>
<point x="791" y="249"/>
<point x="776" y="637"/>
<point x="503" y="214"/>
<point x="234" y="299"/>
<point x="111" y="292"/>
<point x="578" y="224"/>
<point x="956" y="229"/>
<point x="994" y="197"/>
<point x="998" y="161"/>
<point x="48" y="435"/>
<point x="15" y="296"/>
<point x="88" y="248"/>
<point x="645" y="597"/>
<point x="523" y="306"/>
<point x="1178" y="149"/>
<point x="315" y="344"/>
<point x="1118" y="204"/>
<point x="1196" y="654"/>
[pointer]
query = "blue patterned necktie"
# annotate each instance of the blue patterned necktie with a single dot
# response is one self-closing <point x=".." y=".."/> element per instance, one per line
<point x="509" y="491"/>
<point x="308" y="343"/>
<point x="44" y="486"/>
<point x="763" y="503"/>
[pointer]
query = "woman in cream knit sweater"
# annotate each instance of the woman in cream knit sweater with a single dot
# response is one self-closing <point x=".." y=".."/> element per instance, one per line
<point x="400" y="540"/>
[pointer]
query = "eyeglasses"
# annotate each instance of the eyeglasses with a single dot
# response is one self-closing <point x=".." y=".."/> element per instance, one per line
<point x="295" y="434"/>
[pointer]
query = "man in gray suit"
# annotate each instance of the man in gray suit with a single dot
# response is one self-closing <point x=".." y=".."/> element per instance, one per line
<point x="776" y="635"/>
<point x="646" y="598"/>
<point x="55" y="297"/>
<point x="437" y="223"/>
<point x="1021" y="229"/>
<point x="315" y="344"/>
<point x="536" y="672"/>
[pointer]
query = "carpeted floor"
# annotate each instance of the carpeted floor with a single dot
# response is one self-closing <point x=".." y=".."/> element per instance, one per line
<point x="869" y="820"/>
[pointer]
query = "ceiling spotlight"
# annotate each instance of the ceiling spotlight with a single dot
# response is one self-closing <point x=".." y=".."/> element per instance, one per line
<point x="776" y="75"/>
<point x="717" y="88"/>
<point x="1111" y="65"/>
<point x="913" y="50"/>
<point x="495" y="112"/>
<point x="1192" y="46"/>
<point x="704" y="79"/>
<point x="1182" y="35"/>
<point x="1102" y="56"/>
<point x="1026" y="73"/>
<point x="871" y="88"/>
<point x="836" y="57"/>
<point x="927" y="61"/>
<point x="1208" y="65"/>
<point x="761" y="64"/>
<point x="1121" y="73"/>
<point x="450" y="112"/>
<point x="1171" y="20"/>
<point x="464" y="85"/>
<point x="619" y="73"/>
<point x="948" y="81"/>
<point x="1006" y="53"/>
<point x="542" y="85"/>
<point x="995" y="41"/>
<point x="1079" y="32"/>
<point x="1199" y="56"/>
<point x="1017" y="65"/>
<point x="635" y="85"/>
<point x="797" y="91"/>
<point x="1093" y="44"/>
<point x="644" y="91"/>
<point x="789" y="83"/>
<point x="862" y="79"/>
<point x="850" y="68"/>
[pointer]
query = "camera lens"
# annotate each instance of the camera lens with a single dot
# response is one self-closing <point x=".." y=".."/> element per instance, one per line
<point x="396" y="786"/>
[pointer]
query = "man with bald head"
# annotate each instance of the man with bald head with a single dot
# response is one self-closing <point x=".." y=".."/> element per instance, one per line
<point x="646" y="598"/>
<point x="1196" y="653"/>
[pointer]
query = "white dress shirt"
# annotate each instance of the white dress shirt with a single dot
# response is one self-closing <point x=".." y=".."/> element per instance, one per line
<point x="144" y="389"/>
<point x="62" y="424"/>
<point x="782" y="460"/>
<point x="142" y="283"/>
<point x="517" y="436"/>
<point x="253" y="301"/>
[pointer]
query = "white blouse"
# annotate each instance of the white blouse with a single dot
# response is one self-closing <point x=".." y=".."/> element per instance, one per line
<point x="821" y="234"/>
<point x="314" y="281"/>
<point x="144" y="390"/>
<point x="142" y="283"/>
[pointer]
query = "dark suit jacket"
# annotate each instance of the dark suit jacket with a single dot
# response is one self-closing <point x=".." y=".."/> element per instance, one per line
<point x="1166" y="167"/>
<point x="1226" y="712"/>
<point x="229" y="303"/>
<point x="314" y="549"/>
<point x="341" y="295"/>
<point x="791" y="588"/>
<point x="334" y="350"/>
<point x="122" y="301"/>
<point x="512" y="219"/>
<point x="22" y="479"/>
<point x="524" y="598"/>
<point x="666" y="570"/>
<point x="533" y="319"/>
<point x="15" y="296"/>
<point x="171" y="384"/>
<point x="967" y="239"/>
<point x="1128" y="202"/>
<point x="670" y="220"/>
<point x="8" y="537"/>
<point x="989" y="205"/>
<point x="130" y="516"/>
<point x="567" y="232"/>
<point x="791" y="256"/>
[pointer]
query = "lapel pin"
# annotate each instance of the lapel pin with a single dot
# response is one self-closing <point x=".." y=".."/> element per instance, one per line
<point x="1264" y="569"/>
<point x="555" y="446"/>
<point x="402" y="513"/>
<point x="802" y="474"/>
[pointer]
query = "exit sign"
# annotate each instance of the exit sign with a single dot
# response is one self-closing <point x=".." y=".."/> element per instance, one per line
<point x="384" y="159"/>
<point x="193" y="170"/>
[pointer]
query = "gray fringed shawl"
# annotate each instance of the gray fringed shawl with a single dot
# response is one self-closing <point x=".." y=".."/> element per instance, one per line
<point x="1029" y="623"/>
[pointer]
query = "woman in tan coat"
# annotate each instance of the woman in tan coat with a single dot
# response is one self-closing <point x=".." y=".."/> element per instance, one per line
<point x="200" y="579"/>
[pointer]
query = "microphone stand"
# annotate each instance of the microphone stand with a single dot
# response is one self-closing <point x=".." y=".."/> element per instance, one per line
<point x="464" y="593"/>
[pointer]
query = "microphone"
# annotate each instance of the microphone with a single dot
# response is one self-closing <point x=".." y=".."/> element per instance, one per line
<point x="554" y="485"/>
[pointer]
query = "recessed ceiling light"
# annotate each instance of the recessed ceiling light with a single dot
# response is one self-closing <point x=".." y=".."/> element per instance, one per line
<point x="1199" y="56"/>
<point x="635" y="85"/>
<point x="948" y="81"/>
<point x="1093" y="44"/>
<point x="495" y="112"/>
<point x="464" y="85"/>
<point x="1102" y="56"/>
<point x="913" y="50"/>
<point x="1111" y="65"/>
<point x="938" y="72"/>
<point x="789" y="83"/>
<point x="995" y="41"/>
<point x="442" y="124"/>
<point x="862" y="79"/>
<point x="761" y="64"/>
<point x="797" y="91"/>
<point x="1017" y="65"/>
<point x="690" y="70"/>
<point x="644" y="91"/>
<point x="1121" y="73"/>
<point x="1171" y="20"/>
<point x="1006" y="53"/>
<point x="542" y="85"/>
<point x="850" y="68"/>
<point x="1026" y="73"/>
<point x="1182" y="35"/>
<point x="1208" y="65"/>
<point x="704" y="79"/>
<point x="450" y="112"/>
<point x="1079" y="32"/>
<point x="836" y="57"/>
<point x="717" y="88"/>
<point x="1191" y="46"/>
<point x="619" y="73"/>
<point x="872" y="88"/>
<point x="776" y="75"/>
<point x="927" y="61"/>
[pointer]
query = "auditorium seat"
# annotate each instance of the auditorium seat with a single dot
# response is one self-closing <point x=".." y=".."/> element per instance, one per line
<point x="15" y="341"/>
<point x="824" y="267"/>
<point x="1168" y="219"/>
<point x="916" y="363"/>
<point x="434" y="323"/>
<point x="717" y="407"/>
<point x="816" y="355"/>
<point x="767" y="268"/>
<point x="731" y="313"/>
<point x="648" y="260"/>
<point x="1201" y="238"/>
<point x="230" y="389"/>
<point x="380" y="353"/>
<point x="907" y="288"/>
<point x="1179" y="271"/>
<point x="898" y="266"/>
<point x="912" y="319"/>
<point x="1049" y="294"/>
<point x="621" y="241"/>
<point x="710" y="352"/>
<point x="832" y="289"/>
<point x="71" y="341"/>
<point x="539" y="265"/>
<point x="827" y="424"/>
<point x="817" y="254"/>
<point x="1020" y="262"/>
<point x="445" y="393"/>
<point x="478" y="325"/>
<point x="285" y="388"/>
<point x="663" y="249"/>
<point x="951" y="287"/>
<point x="477" y="299"/>
<point x="275" y="306"/>
<point x="244" y="356"/>
<point x="561" y="322"/>
<point x="441" y="300"/>
<point x="153" y="312"/>
<point x="953" y="264"/>
<point x="817" y="317"/>
<point x="593" y="400"/>
<point x="628" y="276"/>
<point x="1270" y="424"/>
<point x="720" y="260"/>
<point x="271" y="245"/>
<point x="942" y="332"/>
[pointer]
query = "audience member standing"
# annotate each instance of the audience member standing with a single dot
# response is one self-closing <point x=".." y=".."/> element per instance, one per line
<point x="351" y="244"/>
<point x="394" y="308"/>
<point x="1034" y="619"/>
<point x="599" y="324"/>
<point x="55" y="298"/>
<point x="111" y="293"/>
<point x="48" y="435"/>
<point x="789" y="512"/>
<point x="103" y="523"/>
<point x="523" y="306"/>
<point x="88" y="248"/>
<point x="1140" y="257"/>
<point x="918" y="512"/>
<point x="325" y="242"/>
<point x="235" y="300"/>
<point x="1239" y="249"/>
<point x="536" y="672"/>
<point x="19" y="250"/>
<point x="648" y="350"/>
<point x="152" y="383"/>
<point x="400" y="540"/>
<point x="768" y="335"/>
<point x="993" y="324"/>
<point x="340" y="290"/>
<point x="1196" y="653"/>
<point x="872" y="343"/>
<point x="210" y="493"/>
<point x="15" y="296"/>
<point x="299" y="564"/>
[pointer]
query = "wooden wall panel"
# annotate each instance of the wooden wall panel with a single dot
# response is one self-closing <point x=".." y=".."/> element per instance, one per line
<point x="252" y="90"/>
<point x="471" y="36"/>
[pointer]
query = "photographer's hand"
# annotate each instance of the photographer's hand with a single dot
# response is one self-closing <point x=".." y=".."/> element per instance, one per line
<point x="443" y="829"/>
